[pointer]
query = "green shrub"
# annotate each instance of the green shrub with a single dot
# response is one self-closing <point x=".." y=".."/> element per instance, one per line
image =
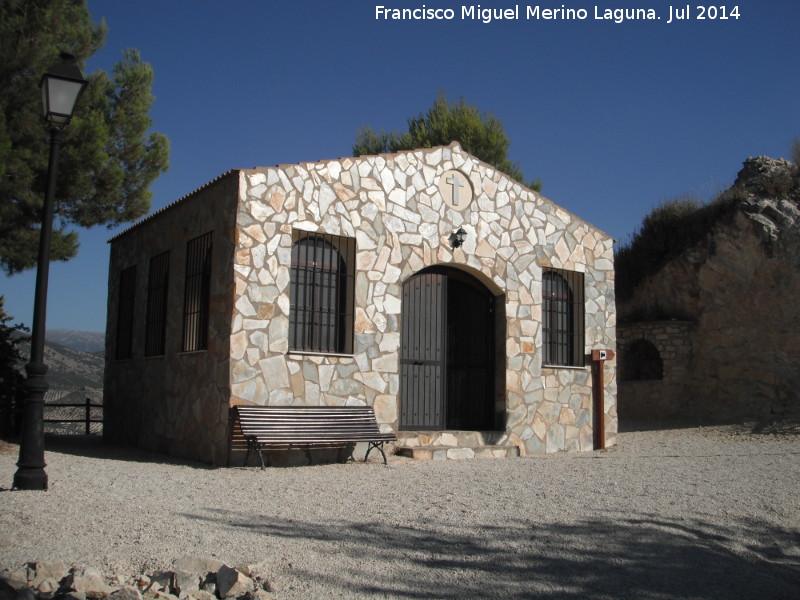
<point x="666" y="232"/>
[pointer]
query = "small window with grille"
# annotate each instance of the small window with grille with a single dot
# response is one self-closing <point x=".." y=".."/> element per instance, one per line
<point x="125" y="309"/>
<point x="562" y="318"/>
<point x="321" y="293"/>
<point x="156" y="322"/>
<point x="196" y="293"/>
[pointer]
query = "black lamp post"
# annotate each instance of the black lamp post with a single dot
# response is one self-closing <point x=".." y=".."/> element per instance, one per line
<point x="61" y="87"/>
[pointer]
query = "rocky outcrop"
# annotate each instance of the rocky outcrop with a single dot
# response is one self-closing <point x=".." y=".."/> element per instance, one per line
<point x="191" y="579"/>
<point x="771" y="197"/>
<point x="767" y="177"/>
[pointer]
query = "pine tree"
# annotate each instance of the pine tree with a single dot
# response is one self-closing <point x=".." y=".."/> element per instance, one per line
<point x="11" y="378"/>
<point x="108" y="159"/>
<point x="482" y="135"/>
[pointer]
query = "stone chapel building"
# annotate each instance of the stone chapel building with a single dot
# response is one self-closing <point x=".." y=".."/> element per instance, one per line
<point x="346" y="282"/>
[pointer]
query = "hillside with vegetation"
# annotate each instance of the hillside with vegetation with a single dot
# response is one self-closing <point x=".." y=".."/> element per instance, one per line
<point x="93" y="342"/>
<point x="72" y="376"/>
<point x="766" y="190"/>
<point x="69" y="368"/>
<point x="712" y="288"/>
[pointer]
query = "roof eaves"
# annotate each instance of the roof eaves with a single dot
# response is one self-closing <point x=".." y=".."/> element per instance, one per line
<point x="172" y="204"/>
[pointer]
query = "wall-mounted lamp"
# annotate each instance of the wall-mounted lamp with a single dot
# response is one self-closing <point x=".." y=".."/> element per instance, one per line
<point x="457" y="238"/>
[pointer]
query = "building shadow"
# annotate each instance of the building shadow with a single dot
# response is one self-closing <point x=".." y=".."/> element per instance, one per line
<point x="94" y="446"/>
<point x="788" y="424"/>
<point x="627" y="425"/>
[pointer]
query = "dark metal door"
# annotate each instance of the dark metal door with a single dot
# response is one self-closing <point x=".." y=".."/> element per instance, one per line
<point x="423" y="352"/>
<point x="470" y="362"/>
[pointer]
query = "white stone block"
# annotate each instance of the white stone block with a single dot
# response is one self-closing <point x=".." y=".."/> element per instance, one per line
<point x="250" y="324"/>
<point x="244" y="307"/>
<point x="460" y="453"/>
<point x="364" y="241"/>
<point x="387" y="180"/>
<point x="372" y="380"/>
<point x="283" y="304"/>
<point x="434" y="158"/>
<point x="312" y="394"/>
<point x="334" y="169"/>
<point x="391" y="305"/>
<point x="387" y="363"/>
<point x="275" y="372"/>
<point x="325" y="375"/>
<point x="392" y="223"/>
<point x="279" y="334"/>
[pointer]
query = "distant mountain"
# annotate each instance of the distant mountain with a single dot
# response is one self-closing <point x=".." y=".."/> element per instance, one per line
<point x="86" y="341"/>
<point x="69" y="368"/>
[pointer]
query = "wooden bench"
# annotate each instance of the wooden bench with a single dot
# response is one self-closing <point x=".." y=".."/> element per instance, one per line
<point x="287" y="427"/>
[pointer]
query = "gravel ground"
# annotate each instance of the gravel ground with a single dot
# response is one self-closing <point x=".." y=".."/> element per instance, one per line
<point x="671" y="512"/>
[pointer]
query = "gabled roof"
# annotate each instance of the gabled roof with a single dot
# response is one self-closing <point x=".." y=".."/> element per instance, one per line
<point x="388" y="155"/>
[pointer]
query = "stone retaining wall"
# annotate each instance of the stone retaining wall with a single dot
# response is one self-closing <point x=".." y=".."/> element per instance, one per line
<point x="667" y="397"/>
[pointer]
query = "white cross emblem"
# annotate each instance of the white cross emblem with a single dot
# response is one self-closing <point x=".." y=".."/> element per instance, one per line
<point x="455" y="189"/>
<point x="455" y="181"/>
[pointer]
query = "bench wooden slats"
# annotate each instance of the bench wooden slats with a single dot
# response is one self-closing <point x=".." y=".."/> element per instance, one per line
<point x="284" y="427"/>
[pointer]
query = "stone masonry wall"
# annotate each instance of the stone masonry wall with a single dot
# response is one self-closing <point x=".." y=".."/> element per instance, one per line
<point x="661" y="398"/>
<point x="392" y="206"/>
<point x="176" y="403"/>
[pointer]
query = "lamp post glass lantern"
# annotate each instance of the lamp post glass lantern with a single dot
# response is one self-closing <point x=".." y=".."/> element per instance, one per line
<point x="61" y="87"/>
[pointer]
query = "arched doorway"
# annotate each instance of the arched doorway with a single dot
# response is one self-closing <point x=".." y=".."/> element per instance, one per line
<point x="640" y="360"/>
<point x="447" y="352"/>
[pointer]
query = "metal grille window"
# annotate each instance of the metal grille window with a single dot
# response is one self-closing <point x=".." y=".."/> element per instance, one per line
<point x="562" y="316"/>
<point x="156" y="323"/>
<point x="321" y="293"/>
<point x="196" y="293"/>
<point x="125" y="308"/>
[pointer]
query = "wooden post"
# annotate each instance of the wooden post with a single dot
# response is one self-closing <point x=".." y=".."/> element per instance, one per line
<point x="599" y="358"/>
<point x="599" y="406"/>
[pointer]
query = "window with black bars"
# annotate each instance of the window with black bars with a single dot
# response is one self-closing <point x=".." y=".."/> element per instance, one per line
<point x="321" y="293"/>
<point x="125" y="309"/>
<point x="156" y="321"/>
<point x="196" y="293"/>
<point x="562" y="318"/>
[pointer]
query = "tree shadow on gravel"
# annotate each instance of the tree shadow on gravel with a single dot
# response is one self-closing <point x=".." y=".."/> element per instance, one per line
<point x="618" y="556"/>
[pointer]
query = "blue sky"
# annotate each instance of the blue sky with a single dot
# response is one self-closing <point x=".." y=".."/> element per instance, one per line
<point x="613" y="117"/>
